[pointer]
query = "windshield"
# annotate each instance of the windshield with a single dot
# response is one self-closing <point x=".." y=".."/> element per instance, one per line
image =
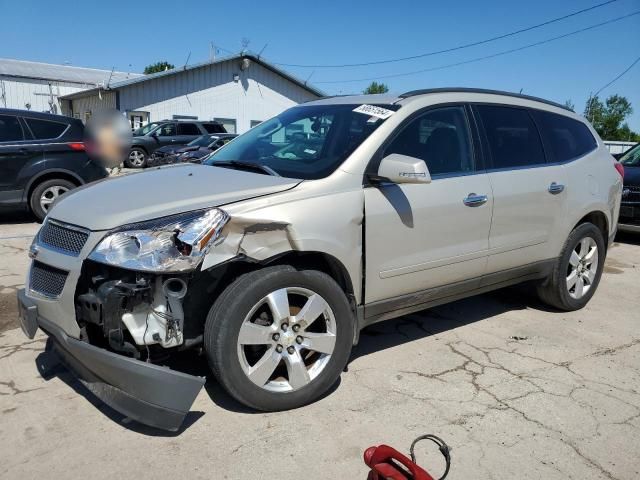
<point x="306" y="142"/>
<point x="146" y="129"/>
<point x="632" y="157"/>
<point x="202" y="141"/>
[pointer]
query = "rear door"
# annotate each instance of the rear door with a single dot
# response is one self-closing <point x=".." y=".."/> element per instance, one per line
<point x="529" y="192"/>
<point x="17" y="153"/>
<point x="421" y="236"/>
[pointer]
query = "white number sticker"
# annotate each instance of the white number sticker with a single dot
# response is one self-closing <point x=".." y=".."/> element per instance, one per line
<point x="374" y="111"/>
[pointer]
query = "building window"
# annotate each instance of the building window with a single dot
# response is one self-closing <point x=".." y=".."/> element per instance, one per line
<point x="229" y="124"/>
<point x="255" y="123"/>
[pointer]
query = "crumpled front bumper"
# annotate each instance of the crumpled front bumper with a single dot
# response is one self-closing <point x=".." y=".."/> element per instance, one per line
<point x="150" y="394"/>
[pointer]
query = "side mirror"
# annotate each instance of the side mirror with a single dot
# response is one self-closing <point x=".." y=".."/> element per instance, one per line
<point x="399" y="168"/>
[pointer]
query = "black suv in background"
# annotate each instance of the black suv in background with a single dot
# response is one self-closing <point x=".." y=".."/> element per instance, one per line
<point x="42" y="156"/>
<point x="630" y="207"/>
<point x="149" y="138"/>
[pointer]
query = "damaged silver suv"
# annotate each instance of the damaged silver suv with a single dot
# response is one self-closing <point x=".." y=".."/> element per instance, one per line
<point x="274" y="254"/>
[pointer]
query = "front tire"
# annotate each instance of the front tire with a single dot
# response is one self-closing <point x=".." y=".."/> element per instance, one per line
<point x="278" y="338"/>
<point x="47" y="192"/>
<point x="576" y="274"/>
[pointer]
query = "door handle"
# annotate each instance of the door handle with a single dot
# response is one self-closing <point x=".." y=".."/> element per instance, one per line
<point x="24" y="151"/>
<point x="555" y="188"/>
<point x="473" y="200"/>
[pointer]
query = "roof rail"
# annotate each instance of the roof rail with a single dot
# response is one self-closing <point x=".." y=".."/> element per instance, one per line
<point x="425" y="91"/>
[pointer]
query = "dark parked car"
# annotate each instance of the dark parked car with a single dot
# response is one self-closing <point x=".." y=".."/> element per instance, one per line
<point x="630" y="206"/>
<point x="149" y="138"/>
<point x="42" y="156"/>
<point x="193" y="152"/>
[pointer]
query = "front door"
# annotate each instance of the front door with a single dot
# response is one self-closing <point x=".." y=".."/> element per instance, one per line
<point x="421" y="236"/>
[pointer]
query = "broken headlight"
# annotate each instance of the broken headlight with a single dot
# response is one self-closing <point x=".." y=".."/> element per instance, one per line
<point x="169" y="244"/>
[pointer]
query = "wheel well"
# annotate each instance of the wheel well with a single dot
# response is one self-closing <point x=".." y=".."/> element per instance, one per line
<point x="206" y="286"/>
<point x="599" y="219"/>
<point x="139" y="147"/>
<point x="51" y="176"/>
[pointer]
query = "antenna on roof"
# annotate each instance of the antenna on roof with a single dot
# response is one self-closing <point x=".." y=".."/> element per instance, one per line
<point x="312" y="72"/>
<point x="212" y="52"/>
<point x="186" y="61"/>
<point x="110" y="75"/>
<point x="260" y="52"/>
<point x="244" y="43"/>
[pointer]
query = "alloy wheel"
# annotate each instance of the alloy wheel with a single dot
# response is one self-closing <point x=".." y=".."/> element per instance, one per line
<point x="136" y="158"/>
<point x="582" y="268"/>
<point x="287" y="339"/>
<point x="50" y="195"/>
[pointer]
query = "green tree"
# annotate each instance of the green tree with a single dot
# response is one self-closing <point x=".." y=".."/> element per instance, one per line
<point x="608" y="118"/>
<point x="158" y="67"/>
<point x="569" y="104"/>
<point x="376" y="87"/>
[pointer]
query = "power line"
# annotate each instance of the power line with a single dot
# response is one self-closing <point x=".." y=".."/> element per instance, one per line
<point x="452" y="49"/>
<point x="593" y="97"/>
<point x="618" y="77"/>
<point x="486" y="57"/>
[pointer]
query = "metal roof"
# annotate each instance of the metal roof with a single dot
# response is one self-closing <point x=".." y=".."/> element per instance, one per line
<point x="175" y="71"/>
<point x="61" y="73"/>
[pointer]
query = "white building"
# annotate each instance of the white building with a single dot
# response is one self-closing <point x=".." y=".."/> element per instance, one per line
<point x="238" y="91"/>
<point x="39" y="86"/>
<point x="618" y="146"/>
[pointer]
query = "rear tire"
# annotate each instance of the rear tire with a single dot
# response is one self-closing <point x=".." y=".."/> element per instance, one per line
<point x="278" y="338"/>
<point x="576" y="274"/>
<point x="137" y="158"/>
<point x="45" y="193"/>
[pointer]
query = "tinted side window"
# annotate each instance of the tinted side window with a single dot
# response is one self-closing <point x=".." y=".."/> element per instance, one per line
<point x="214" y="128"/>
<point x="564" y="137"/>
<point x="188" y="129"/>
<point x="10" y="129"/>
<point x="440" y="138"/>
<point x="513" y="137"/>
<point x="44" y="129"/>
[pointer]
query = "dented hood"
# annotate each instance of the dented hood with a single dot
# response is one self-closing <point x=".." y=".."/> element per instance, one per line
<point x="162" y="191"/>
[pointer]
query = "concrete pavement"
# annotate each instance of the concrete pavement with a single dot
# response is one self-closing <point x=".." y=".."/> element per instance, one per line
<point x="518" y="392"/>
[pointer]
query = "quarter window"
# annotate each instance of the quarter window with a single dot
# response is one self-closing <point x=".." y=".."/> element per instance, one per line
<point x="564" y="137"/>
<point x="214" y="128"/>
<point x="10" y="129"/>
<point x="188" y="129"/>
<point x="44" y="129"/>
<point x="513" y="137"/>
<point x="229" y="124"/>
<point x="439" y="137"/>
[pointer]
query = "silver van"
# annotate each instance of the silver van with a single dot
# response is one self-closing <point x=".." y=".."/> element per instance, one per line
<point x="336" y="214"/>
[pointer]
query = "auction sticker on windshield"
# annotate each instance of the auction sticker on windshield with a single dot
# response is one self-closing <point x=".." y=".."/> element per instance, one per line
<point x="374" y="111"/>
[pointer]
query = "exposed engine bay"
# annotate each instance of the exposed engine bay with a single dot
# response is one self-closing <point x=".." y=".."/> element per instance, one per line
<point x="131" y="311"/>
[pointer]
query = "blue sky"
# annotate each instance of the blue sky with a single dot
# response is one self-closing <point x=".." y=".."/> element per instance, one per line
<point x="129" y="35"/>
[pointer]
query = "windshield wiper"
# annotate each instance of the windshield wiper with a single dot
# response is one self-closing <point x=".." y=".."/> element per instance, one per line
<point x="249" y="165"/>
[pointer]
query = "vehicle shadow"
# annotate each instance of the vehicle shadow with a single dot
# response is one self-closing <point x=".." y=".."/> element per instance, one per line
<point x="376" y="338"/>
<point x="627" y="237"/>
<point x="416" y="326"/>
<point x="16" y="218"/>
<point x="425" y="323"/>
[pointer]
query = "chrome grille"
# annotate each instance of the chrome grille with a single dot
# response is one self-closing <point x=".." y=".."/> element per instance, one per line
<point x="46" y="280"/>
<point x="64" y="238"/>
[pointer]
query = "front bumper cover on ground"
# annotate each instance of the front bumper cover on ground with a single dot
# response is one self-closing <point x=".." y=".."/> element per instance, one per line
<point x="150" y="394"/>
